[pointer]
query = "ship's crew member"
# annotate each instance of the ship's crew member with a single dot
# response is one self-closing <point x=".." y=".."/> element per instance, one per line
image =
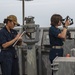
<point x="8" y="36"/>
<point x="57" y="36"/>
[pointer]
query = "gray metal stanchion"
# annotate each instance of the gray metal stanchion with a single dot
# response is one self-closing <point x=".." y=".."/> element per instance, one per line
<point x="39" y="53"/>
<point x="31" y="60"/>
<point x="31" y="51"/>
<point x="33" y="32"/>
<point x="20" y="60"/>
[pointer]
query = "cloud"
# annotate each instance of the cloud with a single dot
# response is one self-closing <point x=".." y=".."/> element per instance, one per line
<point x="40" y="9"/>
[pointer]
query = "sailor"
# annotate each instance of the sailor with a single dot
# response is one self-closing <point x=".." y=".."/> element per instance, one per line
<point x="8" y="36"/>
<point x="57" y="36"/>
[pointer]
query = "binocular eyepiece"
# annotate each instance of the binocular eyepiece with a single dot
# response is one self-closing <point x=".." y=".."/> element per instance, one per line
<point x="67" y="18"/>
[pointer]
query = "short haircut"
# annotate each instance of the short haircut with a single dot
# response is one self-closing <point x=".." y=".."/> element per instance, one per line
<point x="55" y="19"/>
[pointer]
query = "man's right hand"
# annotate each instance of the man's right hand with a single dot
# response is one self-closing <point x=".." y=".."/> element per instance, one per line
<point x="67" y="23"/>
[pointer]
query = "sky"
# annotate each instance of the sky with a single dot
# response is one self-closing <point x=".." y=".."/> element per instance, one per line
<point x="42" y="10"/>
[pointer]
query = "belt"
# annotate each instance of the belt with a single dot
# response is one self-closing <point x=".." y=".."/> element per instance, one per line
<point x="6" y="49"/>
<point x="57" y="47"/>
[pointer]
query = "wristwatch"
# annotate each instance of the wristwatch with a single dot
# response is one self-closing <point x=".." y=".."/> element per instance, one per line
<point x="66" y="27"/>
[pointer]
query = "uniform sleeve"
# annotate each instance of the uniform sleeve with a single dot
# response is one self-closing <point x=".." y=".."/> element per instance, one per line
<point x="2" y="38"/>
<point x="55" y="32"/>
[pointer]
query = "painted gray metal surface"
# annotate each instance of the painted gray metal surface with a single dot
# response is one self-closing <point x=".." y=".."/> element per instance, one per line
<point x="31" y="61"/>
<point x="43" y="52"/>
<point x="64" y="66"/>
<point x="31" y="50"/>
<point x="73" y="52"/>
<point x="20" y="59"/>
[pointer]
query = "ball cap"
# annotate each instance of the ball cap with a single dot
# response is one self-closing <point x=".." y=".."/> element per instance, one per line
<point x="13" y="18"/>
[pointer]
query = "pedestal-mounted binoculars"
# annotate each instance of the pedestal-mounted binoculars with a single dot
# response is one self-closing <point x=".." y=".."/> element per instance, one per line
<point x="67" y="18"/>
<point x="32" y="31"/>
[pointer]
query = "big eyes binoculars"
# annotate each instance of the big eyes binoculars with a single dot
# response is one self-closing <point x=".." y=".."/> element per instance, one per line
<point x="67" y="18"/>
